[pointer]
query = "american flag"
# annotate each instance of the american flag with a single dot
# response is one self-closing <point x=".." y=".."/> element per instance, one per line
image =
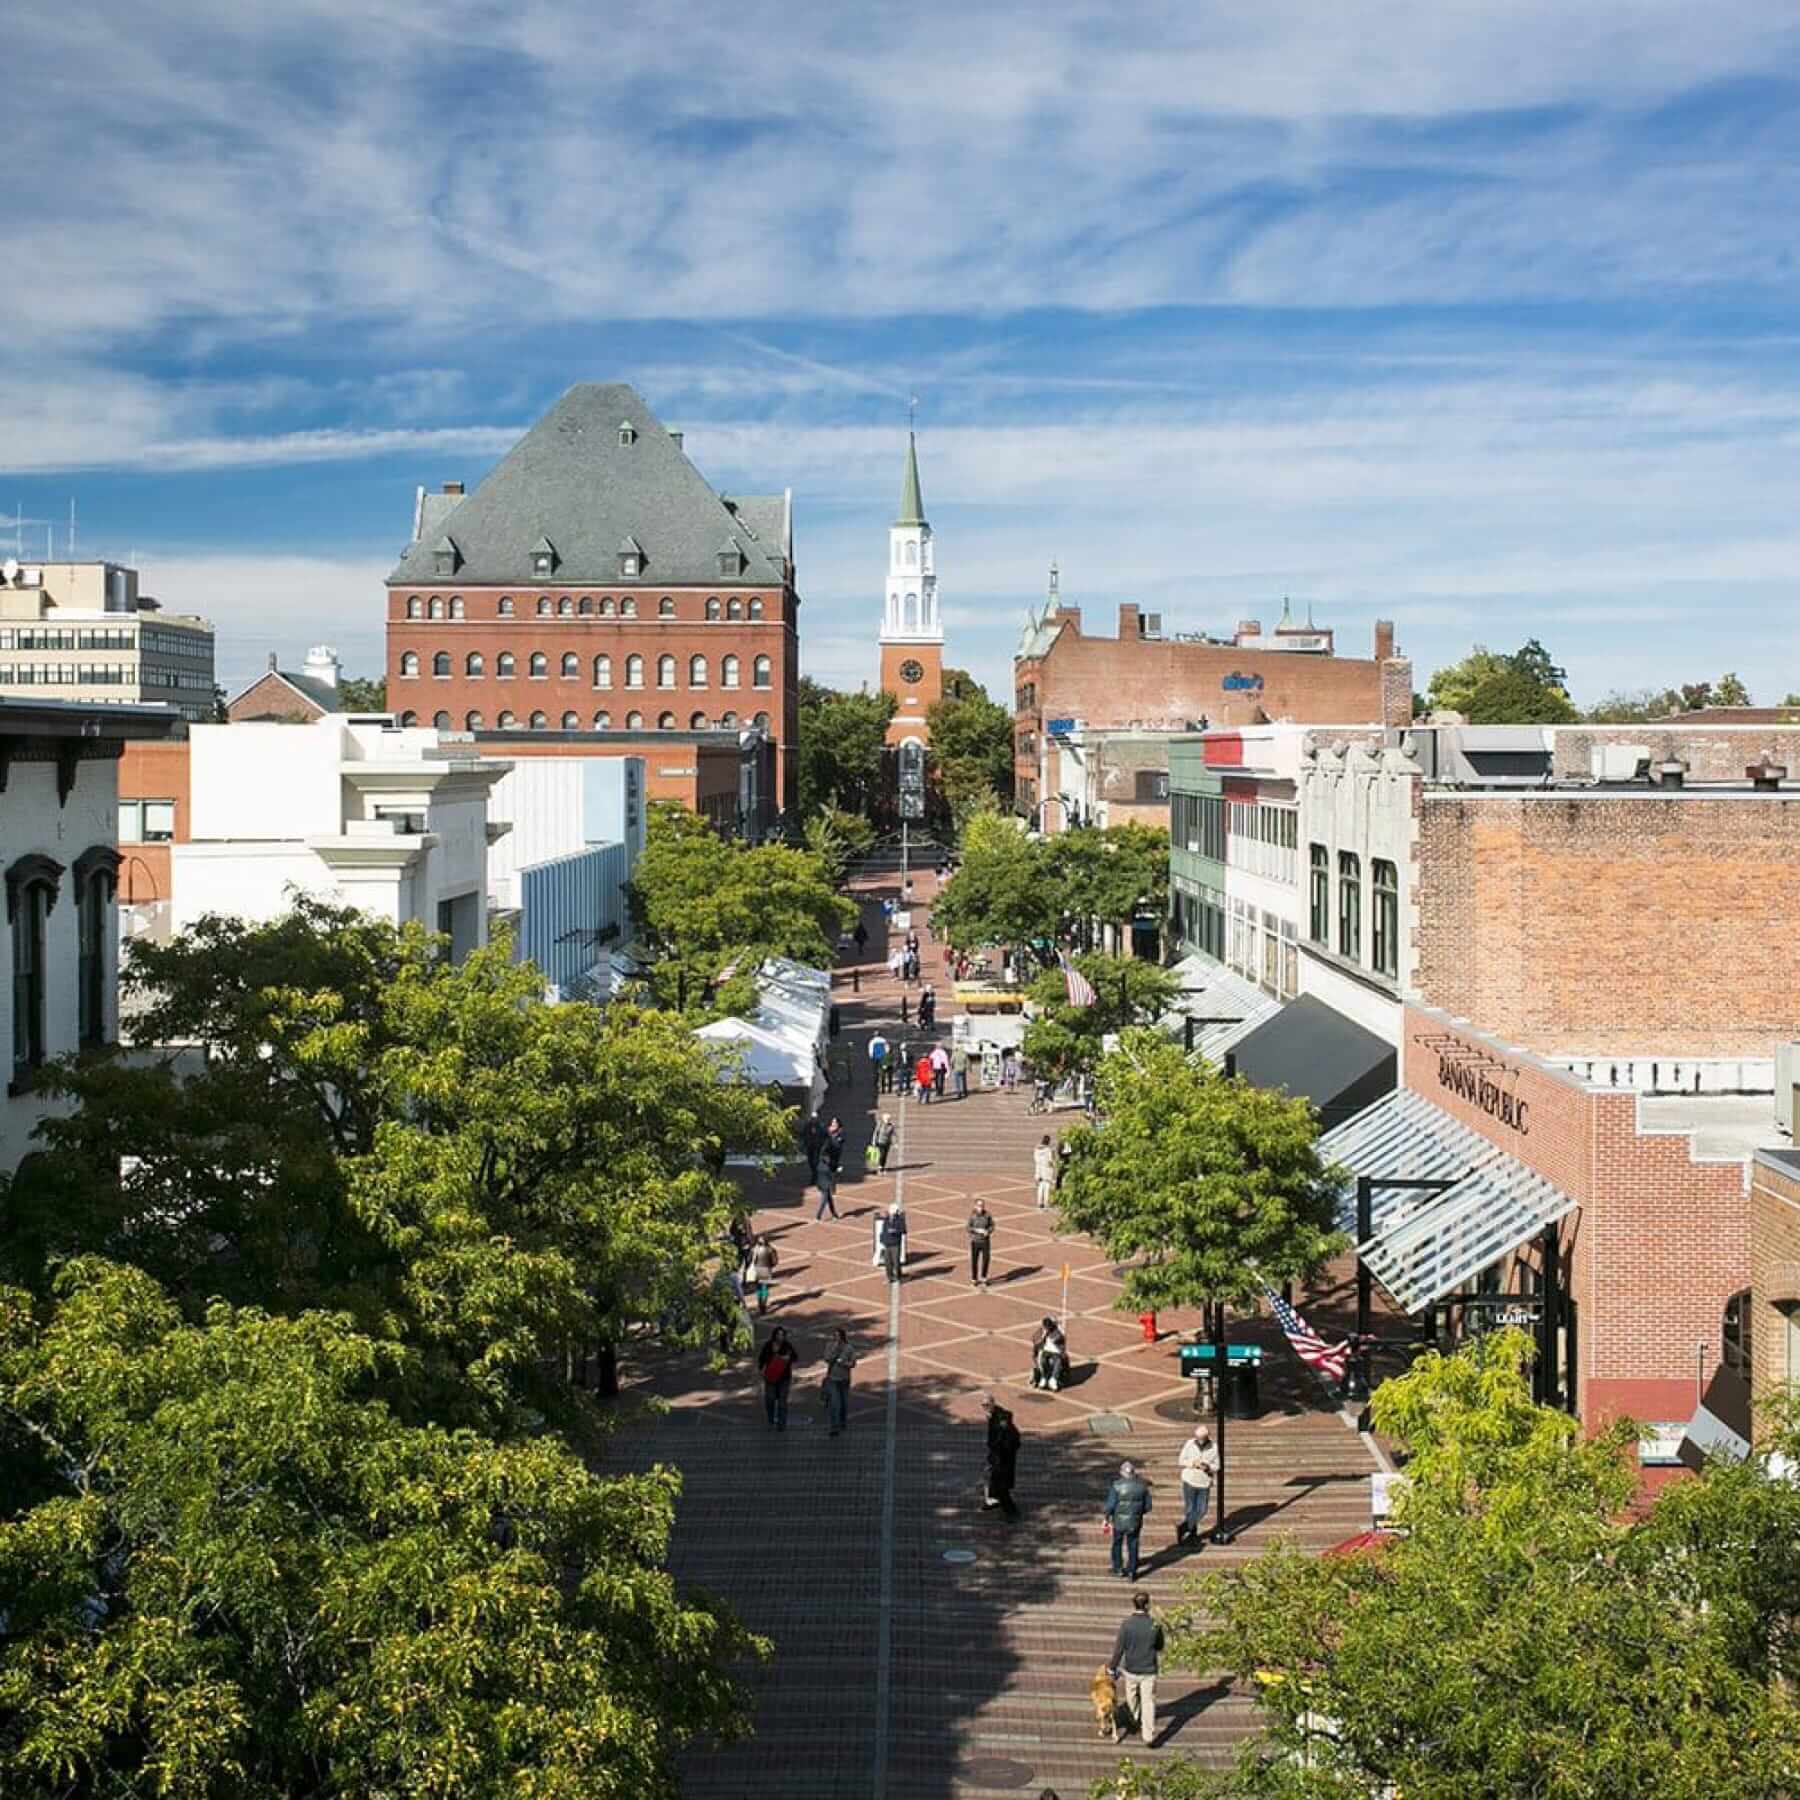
<point x="1079" y="989"/>
<point x="729" y="970"/>
<point x="1324" y="1359"/>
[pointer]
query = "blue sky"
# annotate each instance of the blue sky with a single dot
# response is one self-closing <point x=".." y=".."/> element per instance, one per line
<point x="1482" y="319"/>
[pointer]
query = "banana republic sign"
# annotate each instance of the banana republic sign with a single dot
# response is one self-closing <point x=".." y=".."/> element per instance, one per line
<point x="1475" y="1077"/>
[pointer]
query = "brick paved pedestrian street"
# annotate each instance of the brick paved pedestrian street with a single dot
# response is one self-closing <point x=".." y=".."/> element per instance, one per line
<point x="924" y="1648"/>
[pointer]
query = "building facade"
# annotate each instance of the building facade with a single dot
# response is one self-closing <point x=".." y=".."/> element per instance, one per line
<point x="83" y="632"/>
<point x="59" y="858"/>
<point x="912" y="626"/>
<point x="1066" y="682"/>
<point x="592" y="584"/>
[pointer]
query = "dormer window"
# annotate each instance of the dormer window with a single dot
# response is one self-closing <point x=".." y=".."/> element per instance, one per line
<point x="631" y="558"/>
<point x="446" y="559"/>
<point x="627" y="434"/>
<point x="731" y="558"/>
<point x="543" y="558"/>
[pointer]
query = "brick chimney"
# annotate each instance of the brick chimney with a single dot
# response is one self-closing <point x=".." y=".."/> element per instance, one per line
<point x="1129" y="627"/>
<point x="453" y="487"/>
<point x="1384" y="639"/>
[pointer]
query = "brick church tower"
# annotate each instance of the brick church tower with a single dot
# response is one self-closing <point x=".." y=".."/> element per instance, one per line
<point x="912" y="629"/>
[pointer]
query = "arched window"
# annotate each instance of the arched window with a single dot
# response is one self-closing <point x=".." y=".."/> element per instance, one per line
<point x="436" y="608"/>
<point x="603" y="721"/>
<point x="728" y="671"/>
<point x="734" y="609"/>
<point x="912" y="555"/>
<point x="96" y="880"/>
<point x="712" y="607"/>
<point x="909" y="613"/>
<point x="506" y="721"/>
<point x="602" y="671"/>
<point x="761" y="721"/>
<point x="506" y="606"/>
<point x="543" y="606"/>
<point x="456" y="606"/>
<point x="665" y="608"/>
<point x="409" y="662"/>
<point x="697" y="722"/>
<point x="634" y="721"/>
<point x="540" y="665"/>
<point x="666" y="722"/>
<point x="756" y="609"/>
<point x="538" y="721"/>
<point x="503" y="666"/>
<point x="570" y="722"/>
<point x="696" y="671"/>
<point x="440" y="665"/>
<point x="628" y="608"/>
<point x="665" y="671"/>
<point x="761" y="672"/>
<point x="409" y="720"/>
<point x="473" y="666"/>
<point x="584" y="605"/>
<point x="440" y="721"/>
<point x="634" y="671"/>
<point x="606" y="608"/>
<point x="728" y="721"/>
<point x="571" y="666"/>
<point x="472" y="721"/>
<point x="1735" y="1345"/>
<point x="413" y="609"/>
<point x="566" y="607"/>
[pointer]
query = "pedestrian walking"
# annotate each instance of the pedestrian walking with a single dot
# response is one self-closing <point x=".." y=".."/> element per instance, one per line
<point x="1127" y="1504"/>
<point x="776" y="1359"/>
<point x="741" y="1239"/>
<point x="878" y="1059"/>
<point x="940" y="1069"/>
<point x="922" y="1079"/>
<point x="827" y="1179"/>
<point x="1009" y="1067"/>
<point x="764" y="1259"/>
<point x="812" y="1141"/>
<point x="1199" y="1462"/>
<point x="981" y="1244"/>
<point x="928" y="1007"/>
<point x="1043" y="1170"/>
<point x="834" y="1145"/>
<point x="1136" y="1652"/>
<point x="840" y="1359"/>
<point x="893" y="1240"/>
<point x="896" y="960"/>
<point x="861" y="935"/>
<point x="884" y="1140"/>
<point x="1002" y="1458"/>
<point x="904" y="1016"/>
<point x="959" y="1070"/>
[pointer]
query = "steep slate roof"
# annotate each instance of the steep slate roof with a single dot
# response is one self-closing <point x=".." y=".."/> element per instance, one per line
<point x="322" y="695"/>
<point x="912" y="505"/>
<point x="570" y="480"/>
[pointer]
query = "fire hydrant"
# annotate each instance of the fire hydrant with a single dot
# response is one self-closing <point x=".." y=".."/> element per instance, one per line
<point x="1148" y="1321"/>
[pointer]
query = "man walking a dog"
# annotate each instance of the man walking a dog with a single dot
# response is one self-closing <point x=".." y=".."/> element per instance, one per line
<point x="1135" y="1654"/>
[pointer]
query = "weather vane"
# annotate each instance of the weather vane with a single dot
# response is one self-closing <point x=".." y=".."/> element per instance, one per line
<point x="912" y="411"/>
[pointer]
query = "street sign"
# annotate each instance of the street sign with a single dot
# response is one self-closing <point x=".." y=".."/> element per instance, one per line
<point x="1234" y="1353"/>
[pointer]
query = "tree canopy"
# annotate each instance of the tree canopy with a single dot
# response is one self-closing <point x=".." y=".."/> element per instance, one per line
<point x="702" y="903"/>
<point x="360" y="694"/>
<point x="1110" y="875"/>
<point x="1487" y="688"/>
<point x="1063" y="1040"/>
<point x="972" y="747"/>
<point x="228" y="1569"/>
<point x="1214" y="1184"/>
<point x="1528" y="1633"/>
<point x="838" y="759"/>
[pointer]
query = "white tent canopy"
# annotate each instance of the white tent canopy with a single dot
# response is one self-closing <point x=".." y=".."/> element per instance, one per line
<point x="766" y="1055"/>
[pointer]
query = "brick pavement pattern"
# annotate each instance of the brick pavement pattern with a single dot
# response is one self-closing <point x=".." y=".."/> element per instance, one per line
<point x="899" y="1674"/>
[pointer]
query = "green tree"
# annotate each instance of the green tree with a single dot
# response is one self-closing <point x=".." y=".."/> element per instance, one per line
<point x="1532" y="660"/>
<point x="839" y="840"/>
<point x="703" y="904"/>
<point x="1527" y="1634"/>
<point x="228" y="1569"/>
<point x="1063" y="1040"/>
<point x="842" y="738"/>
<point x="1001" y="893"/>
<point x="1110" y="876"/>
<point x="1511" y="697"/>
<point x="971" y="746"/>
<point x="1644" y="706"/>
<point x="488" y="1181"/>
<point x="1214" y="1184"/>
<point x="1451" y="688"/>
<point x="1730" y="691"/>
<point x="356" y="694"/>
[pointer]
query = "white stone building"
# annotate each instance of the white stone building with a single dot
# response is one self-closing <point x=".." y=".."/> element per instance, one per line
<point x="59" y="857"/>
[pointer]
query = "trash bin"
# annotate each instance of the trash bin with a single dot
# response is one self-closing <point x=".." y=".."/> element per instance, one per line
<point x="1147" y="1320"/>
<point x="1241" y="1398"/>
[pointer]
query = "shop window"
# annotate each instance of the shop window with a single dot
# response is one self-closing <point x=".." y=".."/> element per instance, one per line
<point x="1349" y="905"/>
<point x="1384" y="923"/>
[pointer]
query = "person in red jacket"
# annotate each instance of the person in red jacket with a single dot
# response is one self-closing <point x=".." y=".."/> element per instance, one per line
<point x="922" y="1074"/>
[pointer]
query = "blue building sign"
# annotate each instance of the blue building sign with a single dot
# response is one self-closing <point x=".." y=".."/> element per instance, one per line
<point x="1059" y="727"/>
<point x="1241" y="684"/>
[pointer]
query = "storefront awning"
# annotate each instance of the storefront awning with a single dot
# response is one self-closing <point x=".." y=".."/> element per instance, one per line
<point x="1230" y="1006"/>
<point x="1313" y="1051"/>
<point x="1427" y="1244"/>
<point x="1721" y="1422"/>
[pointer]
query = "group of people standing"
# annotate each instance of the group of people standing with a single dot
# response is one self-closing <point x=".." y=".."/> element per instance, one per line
<point x="776" y="1362"/>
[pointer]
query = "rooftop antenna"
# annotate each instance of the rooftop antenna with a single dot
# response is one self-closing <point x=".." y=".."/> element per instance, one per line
<point x="19" y="522"/>
<point x="71" y="528"/>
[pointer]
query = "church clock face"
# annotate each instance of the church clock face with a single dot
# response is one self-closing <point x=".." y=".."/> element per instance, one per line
<point x="911" y="671"/>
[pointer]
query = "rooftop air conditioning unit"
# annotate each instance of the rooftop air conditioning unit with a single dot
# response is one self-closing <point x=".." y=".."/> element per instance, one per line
<point x="1619" y="762"/>
<point x="1787" y="1089"/>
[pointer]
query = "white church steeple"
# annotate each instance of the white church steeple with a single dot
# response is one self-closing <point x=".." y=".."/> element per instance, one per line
<point x="910" y="614"/>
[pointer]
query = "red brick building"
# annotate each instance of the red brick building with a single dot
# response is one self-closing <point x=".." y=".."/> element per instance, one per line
<point x="594" y="583"/>
<point x="1142" y="679"/>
